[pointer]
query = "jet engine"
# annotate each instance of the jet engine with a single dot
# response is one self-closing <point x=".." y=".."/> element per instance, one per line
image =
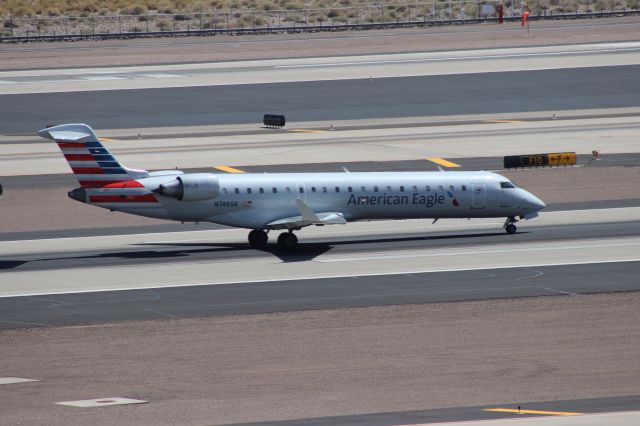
<point x="191" y="187"/>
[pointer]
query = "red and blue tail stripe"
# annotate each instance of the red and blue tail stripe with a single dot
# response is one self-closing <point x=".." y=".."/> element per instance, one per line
<point x="91" y="162"/>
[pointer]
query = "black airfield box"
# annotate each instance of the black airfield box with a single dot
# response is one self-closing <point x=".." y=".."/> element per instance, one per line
<point x="271" y="120"/>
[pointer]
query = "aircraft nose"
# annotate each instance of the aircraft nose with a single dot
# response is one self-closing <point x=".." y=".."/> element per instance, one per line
<point x="534" y="203"/>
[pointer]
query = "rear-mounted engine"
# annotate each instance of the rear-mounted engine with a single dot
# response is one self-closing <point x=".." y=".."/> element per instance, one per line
<point x="191" y="187"/>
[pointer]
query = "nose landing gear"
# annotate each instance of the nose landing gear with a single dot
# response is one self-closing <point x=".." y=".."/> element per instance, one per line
<point x="510" y="226"/>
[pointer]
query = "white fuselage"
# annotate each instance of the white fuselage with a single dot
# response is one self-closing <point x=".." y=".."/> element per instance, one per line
<point x="255" y="200"/>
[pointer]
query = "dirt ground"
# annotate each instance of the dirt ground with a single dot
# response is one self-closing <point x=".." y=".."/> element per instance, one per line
<point x="321" y="363"/>
<point x="229" y="48"/>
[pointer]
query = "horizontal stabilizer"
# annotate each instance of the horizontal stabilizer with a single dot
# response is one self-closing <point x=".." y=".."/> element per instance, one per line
<point x="64" y="135"/>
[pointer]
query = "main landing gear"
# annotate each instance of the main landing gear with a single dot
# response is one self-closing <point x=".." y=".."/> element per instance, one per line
<point x="510" y="226"/>
<point x="287" y="240"/>
<point x="258" y="238"/>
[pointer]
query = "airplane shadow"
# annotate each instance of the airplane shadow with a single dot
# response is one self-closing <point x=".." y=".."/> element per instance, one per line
<point x="303" y="252"/>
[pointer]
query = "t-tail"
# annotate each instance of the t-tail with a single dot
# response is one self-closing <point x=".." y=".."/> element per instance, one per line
<point x="102" y="178"/>
<point x="91" y="162"/>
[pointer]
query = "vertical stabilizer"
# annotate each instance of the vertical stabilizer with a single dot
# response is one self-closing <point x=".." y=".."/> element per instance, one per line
<point x="92" y="163"/>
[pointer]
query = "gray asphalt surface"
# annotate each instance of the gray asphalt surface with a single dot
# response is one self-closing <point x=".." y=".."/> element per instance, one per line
<point x="591" y="405"/>
<point x="548" y="90"/>
<point x="309" y="248"/>
<point x="85" y="308"/>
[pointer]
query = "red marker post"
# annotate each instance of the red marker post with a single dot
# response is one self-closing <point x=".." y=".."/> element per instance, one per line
<point x="524" y="17"/>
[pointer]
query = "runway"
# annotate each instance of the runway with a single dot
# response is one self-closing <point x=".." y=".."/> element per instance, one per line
<point x="524" y="91"/>
<point x="328" y="293"/>
<point x="377" y="252"/>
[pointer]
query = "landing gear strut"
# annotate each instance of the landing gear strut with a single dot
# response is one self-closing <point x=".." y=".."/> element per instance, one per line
<point x="510" y="226"/>
<point x="258" y="238"/>
<point x="287" y="240"/>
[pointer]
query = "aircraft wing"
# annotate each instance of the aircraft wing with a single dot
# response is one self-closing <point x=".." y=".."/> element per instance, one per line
<point x="308" y="217"/>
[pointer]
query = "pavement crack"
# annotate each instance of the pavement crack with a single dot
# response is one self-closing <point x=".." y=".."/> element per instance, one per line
<point x="165" y="314"/>
<point x="535" y="274"/>
<point x="555" y="290"/>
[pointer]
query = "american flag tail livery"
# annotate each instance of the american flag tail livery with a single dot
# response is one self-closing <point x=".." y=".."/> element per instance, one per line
<point x="103" y="180"/>
<point x="91" y="162"/>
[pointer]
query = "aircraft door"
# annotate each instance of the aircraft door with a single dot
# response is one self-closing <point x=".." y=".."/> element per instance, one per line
<point x="479" y="198"/>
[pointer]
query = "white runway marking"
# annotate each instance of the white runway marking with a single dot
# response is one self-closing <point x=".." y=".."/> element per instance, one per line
<point x="159" y="75"/>
<point x="13" y="380"/>
<point x="498" y="250"/>
<point x="458" y="58"/>
<point x="101" y="402"/>
<point x="101" y="78"/>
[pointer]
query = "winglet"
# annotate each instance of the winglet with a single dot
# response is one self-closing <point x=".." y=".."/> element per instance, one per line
<point x="307" y="214"/>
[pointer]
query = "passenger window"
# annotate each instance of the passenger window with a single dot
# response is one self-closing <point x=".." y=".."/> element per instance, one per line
<point x="337" y="189"/>
<point x="464" y="187"/>
<point x="248" y="190"/>
<point x="301" y="190"/>
<point x="262" y="190"/>
<point x="375" y="189"/>
<point x="363" y="189"/>
<point x="401" y="188"/>
<point x="324" y="189"/>
<point x="450" y="187"/>
<point x="236" y="190"/>
<point x="440" y="187"/>
<point x="428" y="188"/>
<point x="415" y="188"/>
<point x="388" y="189"/>
<point x="350" y="189"/>
<point x="288" y="189"/>
<point x="313" y="189"/>
<point x="274" y="190"/>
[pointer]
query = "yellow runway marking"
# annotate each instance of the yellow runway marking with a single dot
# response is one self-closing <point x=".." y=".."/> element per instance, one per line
<point x="544" y="413"/>
<point x="505" y="121"/>
<point x="442" y="162"/>
<point x="229" y="169"/>
<point x="306" y="131"/>
<point x="108" y="140"/>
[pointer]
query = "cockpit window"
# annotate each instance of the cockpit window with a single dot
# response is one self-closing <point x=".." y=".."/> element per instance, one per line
<point x="505" y="185"/>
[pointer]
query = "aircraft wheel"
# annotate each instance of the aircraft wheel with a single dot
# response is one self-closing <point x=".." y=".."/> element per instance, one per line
<point x="258" y="238"/>
<point x="287" y="240"/>
<point x="511" y="228"/>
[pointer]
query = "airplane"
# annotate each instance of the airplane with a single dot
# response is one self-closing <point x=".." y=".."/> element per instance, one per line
<point x="285" y="201"/>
